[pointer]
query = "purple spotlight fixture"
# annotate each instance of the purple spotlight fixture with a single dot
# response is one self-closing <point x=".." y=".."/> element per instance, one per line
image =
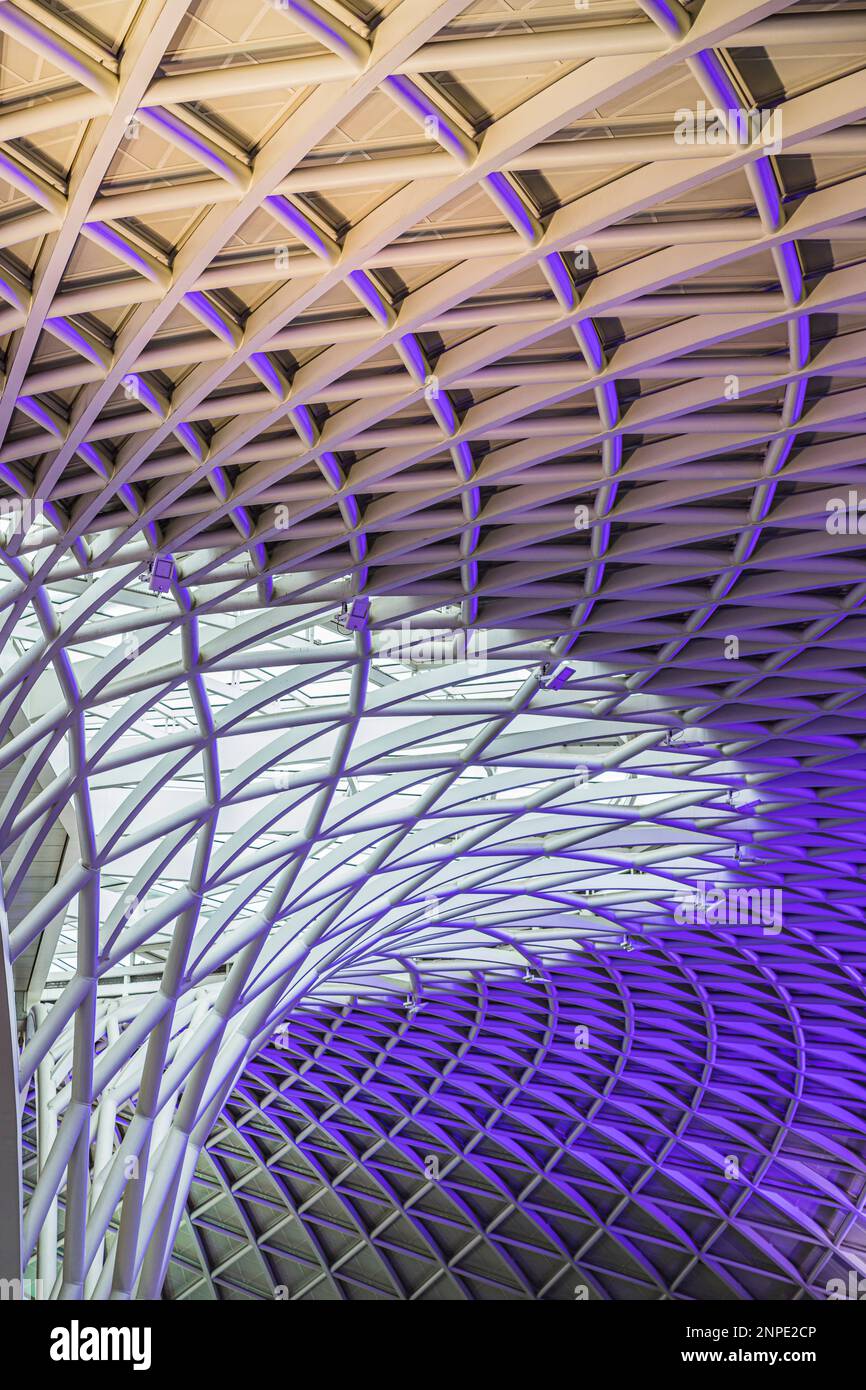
<point x="558" y="677"/>
<point x="358" y="615"/>
<point x="162" y="574"/>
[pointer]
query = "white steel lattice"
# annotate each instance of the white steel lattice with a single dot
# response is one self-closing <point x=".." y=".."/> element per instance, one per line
<point x="436" y="308"/>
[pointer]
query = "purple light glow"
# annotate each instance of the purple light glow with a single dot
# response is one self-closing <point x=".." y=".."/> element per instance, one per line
<point x="92" y="457"/>
<point x="624" y="1054"/>
<point x="611" y="403"/>
<point x="10" y="293"/>
<point x="443" y="410"/>
<point x="412" y="100"/>
<point x="370" y="296"/>
<point x="267" y="372"/>
<point x="801" y="340"/>
<point x="174" y="129"/>
<point x="512" y="204"/>
<point x="333" y="36"/>
<point x="40" y="414"/>
<point x="145" y="395"/>
<point x="787" y="253"/>
<point x="717" y="80"/>
<point x="557" y="271"/>
<point x="69" y="334"/>
<point x="410" y="349"/>
<point x="207" y="312"/>
<point x="332" y="469"/>
<point x="303" y="227"/>
<point x="591" y="346"/>
<point x="303" y="423"/>
<point x="462" y="455"/>
<point x="191" y="441"/>
<point x="120" y="247"/>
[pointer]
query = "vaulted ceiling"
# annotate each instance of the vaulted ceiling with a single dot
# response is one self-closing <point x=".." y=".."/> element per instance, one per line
<point x="429" y="461"/>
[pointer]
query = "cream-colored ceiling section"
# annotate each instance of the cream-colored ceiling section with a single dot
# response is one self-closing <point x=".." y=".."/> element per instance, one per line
<point x="379" y="119"/>
<point x="213" y="26"/>
<point x="293" y="238"/>
<point x="106" y="21"/>
<point x="11" y="200"/>
<point x="26" y="74"/>
<point x="488" y="94"/>
<point x="145" y="156"/>
<point x="53" y="150"/>
<point x="791" y="72"/>
<point x="251" y="118"/>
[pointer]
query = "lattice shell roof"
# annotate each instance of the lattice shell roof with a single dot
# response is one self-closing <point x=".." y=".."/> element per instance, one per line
<point x="445" y="307"/>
